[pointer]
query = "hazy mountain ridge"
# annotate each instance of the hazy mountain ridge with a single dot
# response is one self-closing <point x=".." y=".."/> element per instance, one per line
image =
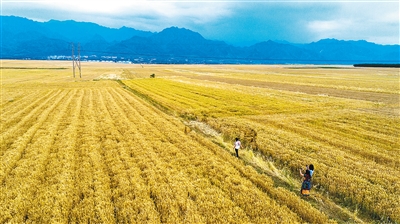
<point x="24" y="38"/>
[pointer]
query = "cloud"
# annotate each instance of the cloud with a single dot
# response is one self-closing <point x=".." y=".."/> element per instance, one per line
<point x="237" y="22"/>
<point x="371" y="21"/>
<point x="255" y="21"/>
<point x="119" y="13"/>
<point x="304" y="22"/>
<point x="328" y="28"/>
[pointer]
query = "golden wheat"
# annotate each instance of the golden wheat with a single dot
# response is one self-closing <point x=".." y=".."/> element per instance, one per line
<point x="90" y="151"/>
<point x="353" y="143"/>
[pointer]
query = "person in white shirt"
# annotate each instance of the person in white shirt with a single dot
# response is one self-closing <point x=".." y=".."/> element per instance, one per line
<point x="237" y="146"/>
<point x="311" y="168"/>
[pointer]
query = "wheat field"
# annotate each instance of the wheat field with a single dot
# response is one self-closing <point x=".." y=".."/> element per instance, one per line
<point x="117" y="146"/>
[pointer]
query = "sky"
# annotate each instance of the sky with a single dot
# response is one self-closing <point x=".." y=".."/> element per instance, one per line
<point x="240" y="23"/>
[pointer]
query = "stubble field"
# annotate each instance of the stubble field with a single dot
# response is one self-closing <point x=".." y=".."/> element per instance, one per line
<point x="118" y="146"/>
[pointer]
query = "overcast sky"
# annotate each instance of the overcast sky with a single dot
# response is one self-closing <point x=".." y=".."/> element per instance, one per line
<point x="235" y="22"/>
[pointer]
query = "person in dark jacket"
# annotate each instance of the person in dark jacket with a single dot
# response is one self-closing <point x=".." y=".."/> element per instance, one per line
<point x="306" y="185"/>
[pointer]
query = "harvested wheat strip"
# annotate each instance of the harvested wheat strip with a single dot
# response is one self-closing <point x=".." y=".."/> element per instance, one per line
<point x="127" y="185"/>
<point x="29" y="169"/>
<point x="13" y="114"/>
<point x="171" y="198"/>
<point x="93" y="182"/>
<point x="19" y="126"/>
<point x="144" y="125"/>
<point x="83" y="209"/>
<point x="57" y="194"/>
<point x="17" y="99"/>
<point x="16" y="150"/>
<point x="116" y="111"/>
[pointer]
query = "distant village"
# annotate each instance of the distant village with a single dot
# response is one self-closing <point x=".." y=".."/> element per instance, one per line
<point x="95" y="58"/>
<point x="149" y="59"/>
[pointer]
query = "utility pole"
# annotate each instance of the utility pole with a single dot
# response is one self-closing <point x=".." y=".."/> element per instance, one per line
<point x="73" y="60"/>
<point x="76" y="62"/>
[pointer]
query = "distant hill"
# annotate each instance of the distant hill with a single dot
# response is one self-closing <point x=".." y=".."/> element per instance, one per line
<point x="24" y="38"/>
<point x="280" y="52"/>
<point x="354" y="50"/>
<point x="84" y="32"/>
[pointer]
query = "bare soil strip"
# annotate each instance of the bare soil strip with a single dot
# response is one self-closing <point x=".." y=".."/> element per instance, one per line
<point x="348" y="94"/>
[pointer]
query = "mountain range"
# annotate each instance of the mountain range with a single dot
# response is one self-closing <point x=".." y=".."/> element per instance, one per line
<point x="22" y="38"/>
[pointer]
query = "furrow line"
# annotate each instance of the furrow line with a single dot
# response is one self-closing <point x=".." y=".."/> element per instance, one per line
<point x="118" y="147"/>
<point x="93" y="181"/>
<point x="16" y="151"/>
<point x="14" y="114"/>
<point x="17" y="102"/>
<point x="29" y="168"/>
<point x="60" y="170"/>
<point x="8" y="136"/>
